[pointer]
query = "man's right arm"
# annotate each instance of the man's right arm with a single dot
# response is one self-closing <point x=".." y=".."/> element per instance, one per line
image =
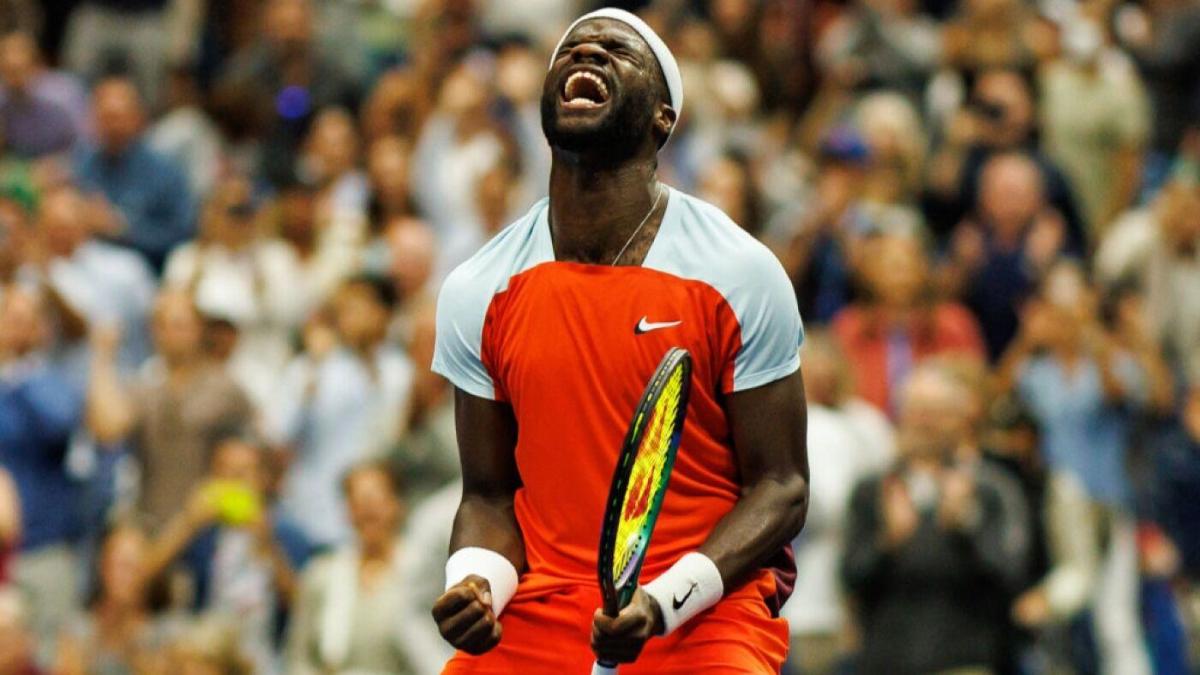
<point x="485" y="530"/>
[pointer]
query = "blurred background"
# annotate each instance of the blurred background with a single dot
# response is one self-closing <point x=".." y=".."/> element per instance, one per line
<point x="223" y="225"/>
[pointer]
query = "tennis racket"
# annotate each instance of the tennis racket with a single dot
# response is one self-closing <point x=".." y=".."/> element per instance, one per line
<point x="640" y="483"/>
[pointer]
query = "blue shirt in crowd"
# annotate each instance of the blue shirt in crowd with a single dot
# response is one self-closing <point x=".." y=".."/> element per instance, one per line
<point x="1083" y="433"/>
<point x="151" y="193"/>
<point x="39" y="410"/>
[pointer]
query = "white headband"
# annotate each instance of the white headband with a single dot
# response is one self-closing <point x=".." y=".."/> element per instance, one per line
<point x="666" y="60"/>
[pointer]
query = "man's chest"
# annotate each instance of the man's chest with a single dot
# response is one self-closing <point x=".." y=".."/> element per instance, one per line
<point x="583" y="330"/>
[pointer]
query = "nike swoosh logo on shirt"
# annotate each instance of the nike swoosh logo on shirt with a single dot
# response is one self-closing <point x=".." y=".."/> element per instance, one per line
<point x="676" y="603"/>
<point x="645" y="326"/>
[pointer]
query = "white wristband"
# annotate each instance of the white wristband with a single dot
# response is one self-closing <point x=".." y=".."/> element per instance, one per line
<point x="692" y="585"/>
<point x="499" y="572"/>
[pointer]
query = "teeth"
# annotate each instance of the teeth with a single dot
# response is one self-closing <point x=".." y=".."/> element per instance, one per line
<point x="590" y="76"/>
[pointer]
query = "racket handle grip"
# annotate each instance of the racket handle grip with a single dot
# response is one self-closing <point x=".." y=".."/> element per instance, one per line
<point x="601" y="669"/>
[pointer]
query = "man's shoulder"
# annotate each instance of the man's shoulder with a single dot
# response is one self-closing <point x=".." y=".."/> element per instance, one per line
<point x="704" y="243"/>
<point x="514" y="249"/>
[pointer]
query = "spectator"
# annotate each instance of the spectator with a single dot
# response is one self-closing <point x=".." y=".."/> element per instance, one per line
<point x="254" y="282"/>
<point x="39" y="411"/>
<point x="341" y="401"/>
<point x="10" y="524"/>
<point x="105" y="284"/>
<point x="116" y="635"/>
<point x="330" y="160"/>
<point x="345" y="617"/>
<point x="1161" y="40"/>
<point x="989" y="34"/>
<point x="426" y="539"/>
<point x="16" y="641"/>
<point x="728" y="184"/>
<point x="997" y="258"/>
<point x="174" y="412"/>
<point x="31" y="124"/>
<point x="208" y="645"/>
<point x="1084" y="389"/>
<point x="389" y="173"/>
<point x="457" y="145"/>
<point x="1158" y="249"/>
<point x="999" y="118"/>
<point x="107" y="36"/>
<point x="821" y="245"/>
<point x="412" y="254"/>
<point x="186" y="135"/>
<point x="893" y="131"/>
<point x="1096" y="121"/>
<point x="149" y="206"/>
<point x="427" y="456"/>
<point x="929" y="556"/>
<point x="284" y="71"/>
<point x="900" y="322"/>
<point x="326" y="253"/>
<point x="882" y="44"/>
<point x="842" y="445"/>
<point x="240" y="555"/>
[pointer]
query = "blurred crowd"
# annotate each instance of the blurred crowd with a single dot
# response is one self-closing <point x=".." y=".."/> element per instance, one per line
<point x="223" y="224"/>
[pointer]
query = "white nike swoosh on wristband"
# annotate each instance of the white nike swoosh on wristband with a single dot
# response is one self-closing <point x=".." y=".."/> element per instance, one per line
<point x="645" y="326"/>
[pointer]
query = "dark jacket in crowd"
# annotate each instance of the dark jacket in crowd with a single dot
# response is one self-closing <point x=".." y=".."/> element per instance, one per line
<point x="940" y="600"/>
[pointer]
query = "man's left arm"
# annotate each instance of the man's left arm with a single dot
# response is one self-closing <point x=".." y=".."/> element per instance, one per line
<point x="769" y="426"/>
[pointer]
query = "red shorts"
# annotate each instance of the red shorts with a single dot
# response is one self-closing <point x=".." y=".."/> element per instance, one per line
<point x="550" y="634"/>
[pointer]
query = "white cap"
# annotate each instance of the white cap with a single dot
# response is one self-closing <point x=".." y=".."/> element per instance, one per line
<point x="666" y="60"/>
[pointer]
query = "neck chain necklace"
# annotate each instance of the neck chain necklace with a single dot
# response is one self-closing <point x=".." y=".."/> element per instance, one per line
<point x="637" y="229"/>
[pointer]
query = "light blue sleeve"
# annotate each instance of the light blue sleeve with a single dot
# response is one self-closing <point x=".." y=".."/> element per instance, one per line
<point x="764" y="303"/>
<point x="457" y="352"/>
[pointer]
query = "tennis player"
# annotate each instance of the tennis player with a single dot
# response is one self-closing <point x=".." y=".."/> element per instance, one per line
<point x="550" y="333"/>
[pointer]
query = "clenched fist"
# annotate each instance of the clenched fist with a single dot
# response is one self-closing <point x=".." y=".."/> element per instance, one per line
<point x="465" y="618"/>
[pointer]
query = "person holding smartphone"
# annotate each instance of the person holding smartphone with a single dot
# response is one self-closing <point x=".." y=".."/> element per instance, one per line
<point x="241" y="558"/>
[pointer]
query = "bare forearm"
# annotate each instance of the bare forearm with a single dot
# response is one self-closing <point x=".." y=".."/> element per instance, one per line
<point x="491" y="523"/>
<point x="109" y="410"/>
<point x="766" y="519"/>
<point x="175" y="537"/>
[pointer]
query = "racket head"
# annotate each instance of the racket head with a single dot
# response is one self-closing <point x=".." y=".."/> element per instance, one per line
<point x="641" y="477"/>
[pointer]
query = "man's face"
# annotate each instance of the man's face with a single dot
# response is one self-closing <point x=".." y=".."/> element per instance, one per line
<point x="602" y="90"/>
<point x="18" y="60"/>
<point x="177" y="327"/>
<point x="361" y="318"/>
<point x="239" y="462"/>
<point x="1007" y="97"/>
<point x="373" y="505"/>
<point x="289" y="26"/>
<point x="60" y="222"/>
<point x="932" y="417"/>
<point x="118" y="112"/>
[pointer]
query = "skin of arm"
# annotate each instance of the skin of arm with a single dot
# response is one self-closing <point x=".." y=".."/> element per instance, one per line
<point x="769" y="426"/>
<point x="10" y="512"/>
<point x="487" y="441"/>
<point x="110" y="413"/>
<point x="269" y="548"/>
<point x="180" y="531"/>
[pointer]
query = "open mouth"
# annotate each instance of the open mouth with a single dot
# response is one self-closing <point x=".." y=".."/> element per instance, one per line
<point x="584" y="90"/>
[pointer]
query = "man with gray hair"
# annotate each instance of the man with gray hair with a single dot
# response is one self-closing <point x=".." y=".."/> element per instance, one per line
<point x="931" y="556"/>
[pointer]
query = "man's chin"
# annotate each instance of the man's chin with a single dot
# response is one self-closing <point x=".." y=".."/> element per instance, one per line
<point x="580" y="135"/>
